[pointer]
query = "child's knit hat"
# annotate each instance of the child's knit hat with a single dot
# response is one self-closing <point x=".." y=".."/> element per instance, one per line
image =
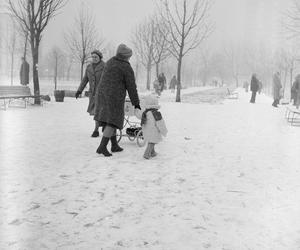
<point x="151" y="101"/>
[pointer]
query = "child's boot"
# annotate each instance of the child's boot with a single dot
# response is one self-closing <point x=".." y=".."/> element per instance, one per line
<point x="153" y="153"/>
<point x="147" y="154"/>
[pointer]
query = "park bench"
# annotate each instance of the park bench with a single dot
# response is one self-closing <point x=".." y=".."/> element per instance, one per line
<point x="11" y="94"/>
<point x="232" y="94"/>
<point x="292" y="115"/>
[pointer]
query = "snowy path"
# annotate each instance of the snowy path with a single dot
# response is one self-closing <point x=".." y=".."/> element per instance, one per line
<point x="226" y="177"/>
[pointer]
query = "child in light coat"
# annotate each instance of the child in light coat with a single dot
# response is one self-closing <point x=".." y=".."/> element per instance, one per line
<point x="153" y="125"/>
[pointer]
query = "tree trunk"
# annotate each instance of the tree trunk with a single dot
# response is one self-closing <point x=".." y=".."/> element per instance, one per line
<point x="36" y="84"/>
<point x="148" y="75"/>
<point x="136" y="71"/>
<point x="68" y="71"/>
<point x="178" y="96"/>
<point x="157" y="69"/>
<point x="12" y="69"/>
<point x="55" y="74"/>
<point x="291" y="77"/>
<point x="81" y="70"/>
<point x="25" y="46"/>
<point x="237" y="81"/>
<point x="284" y="81"/>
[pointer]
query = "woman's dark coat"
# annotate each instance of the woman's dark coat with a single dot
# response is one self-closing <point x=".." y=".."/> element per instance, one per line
<point x="117" y="78"/>
<point x="92" y="75"/>
<point x="24" y="73"/>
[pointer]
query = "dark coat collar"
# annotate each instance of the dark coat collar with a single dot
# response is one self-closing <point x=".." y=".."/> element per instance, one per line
<point x="121" y="58"/>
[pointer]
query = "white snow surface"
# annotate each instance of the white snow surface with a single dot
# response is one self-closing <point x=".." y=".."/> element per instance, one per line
<point x="226" y="177"/>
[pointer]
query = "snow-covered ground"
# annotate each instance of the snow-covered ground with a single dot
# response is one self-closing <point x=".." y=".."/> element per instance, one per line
<point x="226" y="177"/>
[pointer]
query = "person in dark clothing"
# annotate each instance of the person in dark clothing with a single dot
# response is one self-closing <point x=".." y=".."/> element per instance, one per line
<point x="24" y="72"/>
<point x="276" y="89"/>
<point x="254" y="86"/>
<point x="162" y="81"/>
<point x="92" y="76"/>
<point x="295" y="90"/>
<point x="173" y="83"/>
<point x="117" y="79"/>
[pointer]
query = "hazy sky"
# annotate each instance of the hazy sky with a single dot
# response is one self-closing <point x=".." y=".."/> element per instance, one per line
<point x="236" y="20"/>
<point x="114" y="18"/>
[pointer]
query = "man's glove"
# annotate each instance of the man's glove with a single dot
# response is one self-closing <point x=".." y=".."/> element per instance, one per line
<point x="137" y="107"/>
<point x="78" y="93"/>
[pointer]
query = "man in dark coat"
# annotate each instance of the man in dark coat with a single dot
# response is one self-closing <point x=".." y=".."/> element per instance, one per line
<point x="24" y="72"/>
<point x="162" y="81"/>
<point x="117" y="78"/>
<point x="254" y="86"/>
<point x="276" y="89"/>
<point x="92" y="76"/>
<point x="295" y="90"/>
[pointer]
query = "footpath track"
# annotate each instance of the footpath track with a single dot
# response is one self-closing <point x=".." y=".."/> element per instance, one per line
<point x="212" y="96"/>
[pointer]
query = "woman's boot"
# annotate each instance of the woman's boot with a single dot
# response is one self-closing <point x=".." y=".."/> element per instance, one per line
<point x="114" y="144"/>
<point x="102" y="149"/>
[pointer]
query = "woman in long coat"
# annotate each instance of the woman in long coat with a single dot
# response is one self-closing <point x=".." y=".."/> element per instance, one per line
<point x="276" y="89"/>
<point x="24" y="72"/>
<point x="92" y="76"/>
<point x="254" y="87"/>
<point x="118" y="77"/>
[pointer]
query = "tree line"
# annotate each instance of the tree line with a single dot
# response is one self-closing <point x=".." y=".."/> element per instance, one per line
<point x="163" y="40"/>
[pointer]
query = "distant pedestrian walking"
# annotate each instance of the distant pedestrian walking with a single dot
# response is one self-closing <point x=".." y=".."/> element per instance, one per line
<point x="295" y="90"/>
<point x="276" y="89"/>
<point x="162" y="81"/>
<point x="24" y="72"/>
<point x="254" y="87"/>
<point x="118" y="77"/>
<point x="173" y="83"/>
<point x="92" y="76"/>
<point x="153" y="125"/>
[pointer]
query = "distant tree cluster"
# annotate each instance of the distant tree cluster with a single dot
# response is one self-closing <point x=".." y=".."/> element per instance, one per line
<point x="174" y="39"/>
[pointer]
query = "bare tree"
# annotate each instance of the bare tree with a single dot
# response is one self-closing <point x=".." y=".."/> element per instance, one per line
<point x="11" y="45"/>
<point x="189" y="26"/>
<point x="219" y="67"/>
<point x="285" y="62"/>
<point x="70" y="61"/>
<point x="204" y="69"/>
<point x="56" y="57"/>
<point x="1" y="44"/>
<point x="161" y="47"/>
<point x="143" y="40"/>
<point x="34" y="17"/>
<point x="292" y="20"/>
<point x="233" y="58"/>
<point x="83" y="38"/>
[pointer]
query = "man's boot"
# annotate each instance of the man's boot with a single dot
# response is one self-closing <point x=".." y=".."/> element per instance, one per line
<point x="102" y="147"/>
<point x="114" y="144"/>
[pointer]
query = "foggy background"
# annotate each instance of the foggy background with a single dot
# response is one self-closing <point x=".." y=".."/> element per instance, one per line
<point x="248" y="36"/>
